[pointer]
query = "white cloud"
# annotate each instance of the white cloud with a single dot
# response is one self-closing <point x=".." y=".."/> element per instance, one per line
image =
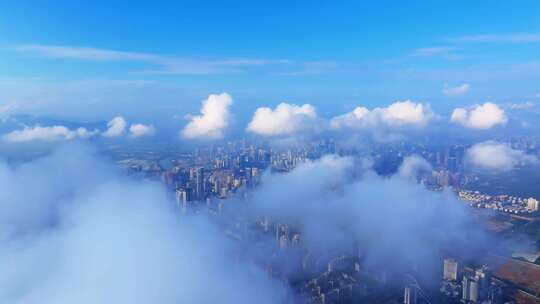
<point x="497" y="156"/>
<point x="213" y="120"/>
<point x="116" y="127"/>
<point x="456" y="91"/>
<point x="140" y="130"/>
<point x="312" y="68"/>
<point x="359" y="117"/>
<point x="412" y="166"/>
<point x="73" y="230"/>
<point x="352" y="202"/>
<point x="440" y="52"/>
<point x="140" y="236"/>
<point x="501" y="38"/>
<point x="168" y="64"/>
<point x="407" y="112"/>
<point x="443" y="52"/>
<point x="459" y="115"/>
<point x="86" y="53"/>
<point x="400" y="113"/>
<point x="53" y="133"/>
<point x="522" y="106"/>
<point x="483" y="116"/>
<point x="431" y="51"/>
<point x="285" y="119"/>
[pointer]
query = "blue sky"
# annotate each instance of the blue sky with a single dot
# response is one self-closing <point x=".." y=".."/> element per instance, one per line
<point x="148" y="59"/>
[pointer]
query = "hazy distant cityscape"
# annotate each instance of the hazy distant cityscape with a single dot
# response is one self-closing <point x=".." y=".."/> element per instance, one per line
<point x="213" y="179"/>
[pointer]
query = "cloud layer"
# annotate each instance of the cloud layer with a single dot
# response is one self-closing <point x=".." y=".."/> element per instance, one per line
<point x="497" y="156"/>
<point x="87" y="235"/>
<point x="116" y="129"/>
<point x="338" y="202"/>
<point x="391" y="122"/>
<point x="412" y="166"/>
<point x="53" y="133"/>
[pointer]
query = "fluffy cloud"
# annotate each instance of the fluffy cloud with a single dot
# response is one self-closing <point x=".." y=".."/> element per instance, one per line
<point x="359" y="117"/>
<point x="85" y="234"/>
<point x="456" y="91"/>
<point x="407" y="112"/>
<point x="116" y="127"/>
<point x="483" y="116"/>
<point x="336" y="202"/>
<point x="213" y="120"/>
<point x="285" y="119"/>
<point x="140" y="130"/>
<point x="497" y="156"/>
<point x="400" y="113"/>
<point x="52" y="133"/>
<point x="412" y="166"/>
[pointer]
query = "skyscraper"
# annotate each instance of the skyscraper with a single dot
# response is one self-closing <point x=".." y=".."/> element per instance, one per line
<point x="532" y="204"/>
<point x="450" y="287"/>
<point x="409" y="296"/>
<point x="182" y="197"/>
<point x="470" y="289"/>
<point x="196" y="176"/>
<point x="450" y="270"/>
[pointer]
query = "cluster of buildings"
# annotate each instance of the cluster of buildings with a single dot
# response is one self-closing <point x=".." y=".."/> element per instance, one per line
<point x="318" y="276"/>
<point x="196" y="184"/>
<point x="202" y="180"/>
<point x="506" y="281"/>
<point x="329" y="277"/>
<point x="445" y="178"/>
<point x="502" y="203"/>
<point x="471" y="285"/>
<point x="222" y="171"/>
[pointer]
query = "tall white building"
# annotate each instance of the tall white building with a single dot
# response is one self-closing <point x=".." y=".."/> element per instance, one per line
<point x="476" y="286"/>
<point x="532" y="204"/>
<point x="181" y="199"/>
<point x="409" y="296"/>
<point x="470" y="289"/>
<point x="450" y="270"/>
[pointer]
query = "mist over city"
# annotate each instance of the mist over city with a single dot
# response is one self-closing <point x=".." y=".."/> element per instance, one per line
<point x="241" y="152"/>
